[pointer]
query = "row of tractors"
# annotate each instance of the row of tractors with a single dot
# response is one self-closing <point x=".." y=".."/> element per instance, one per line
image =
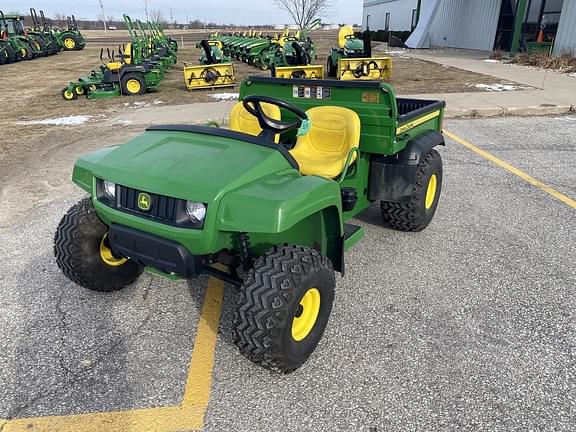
<point x="18" y="42"/>
<point x="287" y="55"/>
<point x="137" y="67"/>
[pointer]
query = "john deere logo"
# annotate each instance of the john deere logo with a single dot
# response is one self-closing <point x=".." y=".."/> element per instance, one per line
<point x="144" y="201"/>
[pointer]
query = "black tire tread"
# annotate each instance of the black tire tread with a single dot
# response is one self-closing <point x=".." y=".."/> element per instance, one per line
<point x="407" y="216"/>
<point x="69" y="250"/>
<point x="255" y="315"/>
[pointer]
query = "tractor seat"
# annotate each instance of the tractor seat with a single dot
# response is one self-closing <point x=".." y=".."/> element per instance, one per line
<point x="344" y="33"/>
<point x="114" y="66"/>
<point x="242" y="121"/>
<point x="324" y="149"/>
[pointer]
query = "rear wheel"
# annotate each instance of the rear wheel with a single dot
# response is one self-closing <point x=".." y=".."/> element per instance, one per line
<point x="84" y="255"/>
<point x="284" y="306"/>
<point x="330" y="68"/>
<point x="10" y="53"/>
<point x="133" y="84"/>
<point x="3" y="54"/>
<point x="416" y="214"/>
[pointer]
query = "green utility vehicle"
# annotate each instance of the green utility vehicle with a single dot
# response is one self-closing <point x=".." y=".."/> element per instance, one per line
<point x="272" y="199"/>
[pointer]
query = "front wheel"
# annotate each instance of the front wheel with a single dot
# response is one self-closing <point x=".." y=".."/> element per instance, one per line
<point x="284" y="306"/>
<point x="69" y="42"/>
<point x="84" y="254"/>
<point x="416" y="213"/>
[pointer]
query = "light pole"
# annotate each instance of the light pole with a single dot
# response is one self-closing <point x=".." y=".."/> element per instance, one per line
<point x="103" y="16"/>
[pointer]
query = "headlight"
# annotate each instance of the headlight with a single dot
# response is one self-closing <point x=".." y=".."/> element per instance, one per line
<point x="109" y="190"/>
<point x="196" y="211"/>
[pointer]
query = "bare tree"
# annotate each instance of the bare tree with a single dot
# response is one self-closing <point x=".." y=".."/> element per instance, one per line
<point x="303" y="12"/>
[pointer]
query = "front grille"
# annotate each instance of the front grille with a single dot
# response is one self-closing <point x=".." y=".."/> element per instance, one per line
<point x="163" y="208"/>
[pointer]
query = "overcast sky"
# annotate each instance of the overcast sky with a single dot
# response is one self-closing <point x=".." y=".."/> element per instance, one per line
<point x="244" y="12"/>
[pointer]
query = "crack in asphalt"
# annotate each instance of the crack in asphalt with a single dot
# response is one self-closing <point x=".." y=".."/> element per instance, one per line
<point x="83" y="374"/>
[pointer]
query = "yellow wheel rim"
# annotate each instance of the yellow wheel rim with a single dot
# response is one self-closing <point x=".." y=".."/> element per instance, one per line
<point x="79" y="90"/>
<point x="133" y="86"/>
<point x="68" y="95"/>
<point x="306" y="315"/>
<point x="69" y="43"/>
<point x="107" y="255"/>
<point x="431" y="191"/>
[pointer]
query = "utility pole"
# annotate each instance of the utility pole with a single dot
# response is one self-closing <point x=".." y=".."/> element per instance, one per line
<point x="171" y="19"/>
<point x="146" y="9"/>
<point x="103" y="16"/>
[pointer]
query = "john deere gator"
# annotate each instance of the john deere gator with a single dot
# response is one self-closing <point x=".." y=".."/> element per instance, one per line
<point x="272" y="199"/>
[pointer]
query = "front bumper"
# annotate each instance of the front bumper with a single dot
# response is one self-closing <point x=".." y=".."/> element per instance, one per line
<point x="149" y="250"/>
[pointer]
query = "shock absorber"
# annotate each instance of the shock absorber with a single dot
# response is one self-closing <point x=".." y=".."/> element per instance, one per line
<point x="244" y="244"/>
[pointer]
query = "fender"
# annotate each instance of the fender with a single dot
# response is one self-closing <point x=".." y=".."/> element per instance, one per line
<point x="392" y="177"/>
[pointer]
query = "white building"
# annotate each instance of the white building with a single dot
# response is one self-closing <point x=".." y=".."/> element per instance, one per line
<point x="478" y="24"/>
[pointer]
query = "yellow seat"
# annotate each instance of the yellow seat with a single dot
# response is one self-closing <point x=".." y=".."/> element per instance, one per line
<point x="114" y="66"/>
<point x="344" y="33"/>
<point x="242" y="121"/>
<point x="324" y="149"/>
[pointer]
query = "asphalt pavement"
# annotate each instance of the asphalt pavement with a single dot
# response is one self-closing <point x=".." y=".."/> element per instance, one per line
<point x="468" y="325"/>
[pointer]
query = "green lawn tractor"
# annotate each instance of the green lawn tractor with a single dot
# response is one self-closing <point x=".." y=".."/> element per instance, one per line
<point x="17" y="44"/>
<point x="353" y="60"/>
<point x="288" y="51"/>
<point x="155" y="47"/>
<point x="70" y="38"/>
<point x="128" y="76"/>
<point x="215" y="70"/>
<point x="44" y="33"/>
<point x="273" y="199"/>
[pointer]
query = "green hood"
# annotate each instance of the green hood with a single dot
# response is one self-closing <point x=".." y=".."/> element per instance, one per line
<point x="185" y="165"/>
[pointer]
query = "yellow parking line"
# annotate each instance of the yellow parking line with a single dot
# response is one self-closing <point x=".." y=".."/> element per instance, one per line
<point x="189" y="415"/>
<point x="527" y="178"/>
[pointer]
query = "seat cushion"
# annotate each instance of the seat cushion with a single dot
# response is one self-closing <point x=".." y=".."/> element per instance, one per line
<point x="242" y="121"/>
<point x="324" y="149"/>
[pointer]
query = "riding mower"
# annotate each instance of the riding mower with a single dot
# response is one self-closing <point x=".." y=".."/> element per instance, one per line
<point x="353" y="60"/>
<point x="155" y="48"/>
<point x="130" y="76"/>
<point x="291" y="55"/>
<point x="267" y="207"/>
<point x="215" y="70"/>
<point x="71" y="39"/>
<point x="17" y="44"/>
<point x="44" y="33"/>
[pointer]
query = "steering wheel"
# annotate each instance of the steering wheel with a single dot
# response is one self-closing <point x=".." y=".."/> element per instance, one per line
<point x="253" y="105"/>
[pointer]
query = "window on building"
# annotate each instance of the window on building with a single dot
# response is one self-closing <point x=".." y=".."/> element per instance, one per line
<point x="387" y="22"/>
<point x="542" y="15"/>
<point x="414" y="18"/>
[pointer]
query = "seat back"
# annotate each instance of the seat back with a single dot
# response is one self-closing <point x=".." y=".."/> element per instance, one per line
<point x="324" y="149"/>
<point x="344" y="32"/>
<point x="242" y="121"/>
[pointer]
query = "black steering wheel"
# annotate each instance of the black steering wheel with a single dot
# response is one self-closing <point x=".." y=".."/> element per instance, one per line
<point x="270" y="126"/>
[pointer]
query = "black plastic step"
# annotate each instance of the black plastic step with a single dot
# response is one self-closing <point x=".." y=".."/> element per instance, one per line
<point x="350" y="230"/>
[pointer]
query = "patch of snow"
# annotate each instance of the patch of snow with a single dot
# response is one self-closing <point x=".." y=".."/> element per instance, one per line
<point x="492" y="61"/>
<point x="225" y="96"/>
<point x="62" y="121"/>
<point x="497" y="87"/>
<point x="157" y="102"/>
<point x="395" y="53"/>
<point x="572" y="75"/>
<point x="139" y="103"/>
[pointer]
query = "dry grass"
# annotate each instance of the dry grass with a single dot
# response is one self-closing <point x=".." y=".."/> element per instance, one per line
<point x="497" y="55"/>
<point x="565" y="62"/>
